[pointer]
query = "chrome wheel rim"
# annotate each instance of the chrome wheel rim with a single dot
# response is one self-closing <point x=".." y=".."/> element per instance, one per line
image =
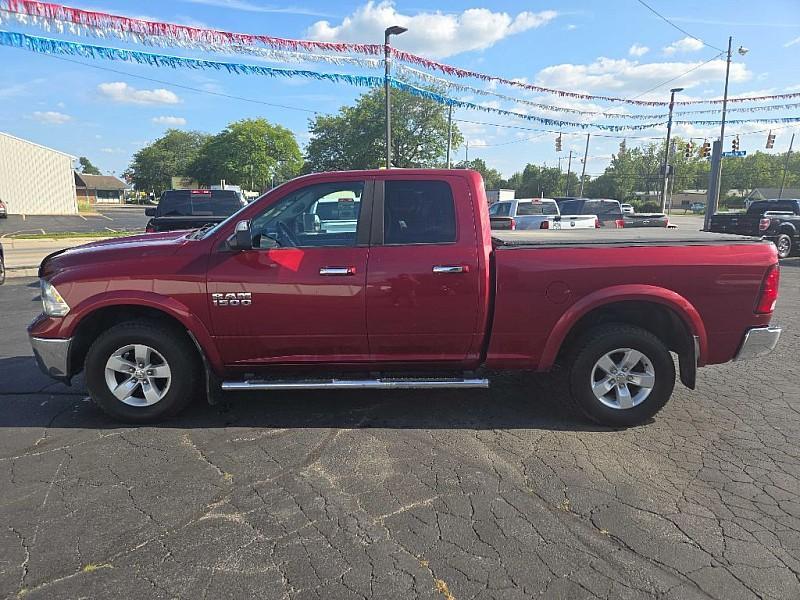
<point x="623" y="378"/>
<point x="783" y="246"/>
<point x="138" y="375"/>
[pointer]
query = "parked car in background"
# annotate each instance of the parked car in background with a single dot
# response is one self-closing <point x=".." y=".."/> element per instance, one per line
<point x="2" y="266"/>
<point x="535" y="213"/>
<point x="646" y="220"/>
<point x="191" y="209"/>
<point x="608" y="212"/>
<point x="627" y="209"/>
<point x="3" y="210"/>
<point x="775" y="220"/>
<point x="698" y="207"/>
<point x="419" y="294"/>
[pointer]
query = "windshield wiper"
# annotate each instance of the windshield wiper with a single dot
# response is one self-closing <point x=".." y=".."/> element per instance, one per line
<point x="196" y="234"/>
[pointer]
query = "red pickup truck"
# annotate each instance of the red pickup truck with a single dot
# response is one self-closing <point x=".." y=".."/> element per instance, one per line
<point x="411" y="289"/>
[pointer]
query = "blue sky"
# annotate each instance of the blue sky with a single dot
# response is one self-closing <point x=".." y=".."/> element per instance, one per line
<point x="616" y="48"/>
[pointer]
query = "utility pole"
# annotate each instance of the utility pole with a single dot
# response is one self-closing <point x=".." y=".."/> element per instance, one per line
<point x="449" y="132"/>
<point x="671" y="178"/>
<point x="585" y="158"/>
<point x="786" y="167"/>
<point x="569" y="171"/>
<point x="387" y="62"/>
<point x="665" y="177"/>
<point x="466" y="153"/>
<point x="716" y="165"/>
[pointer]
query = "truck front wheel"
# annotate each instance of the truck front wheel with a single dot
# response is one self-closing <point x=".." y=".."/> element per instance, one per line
<point x="141" y="371"/>
<point x="620" y="375"/>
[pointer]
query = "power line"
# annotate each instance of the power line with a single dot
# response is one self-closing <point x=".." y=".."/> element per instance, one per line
<point x="666" y="20"/>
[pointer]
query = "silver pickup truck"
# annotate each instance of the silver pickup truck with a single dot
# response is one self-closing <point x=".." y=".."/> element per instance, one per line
<point x="535" y="213"/>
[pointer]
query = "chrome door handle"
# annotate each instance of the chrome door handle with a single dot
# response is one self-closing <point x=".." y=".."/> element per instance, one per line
<point x="449" y="269"/>
<point x="341" y="271"/>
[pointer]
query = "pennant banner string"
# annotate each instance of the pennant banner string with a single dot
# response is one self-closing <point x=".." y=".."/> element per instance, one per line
<point x="61" y="27"/>
<point x="58" y="47"/>
<point x="105" y="22"/>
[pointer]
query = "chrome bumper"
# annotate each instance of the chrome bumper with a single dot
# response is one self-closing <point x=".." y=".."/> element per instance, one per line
<point x="758" y="342"/>
<point x="52" y="355"/>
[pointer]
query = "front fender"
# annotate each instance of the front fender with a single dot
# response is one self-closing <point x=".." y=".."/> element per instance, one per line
<point x="622" y="293"/>
<point x="165" y="304"/>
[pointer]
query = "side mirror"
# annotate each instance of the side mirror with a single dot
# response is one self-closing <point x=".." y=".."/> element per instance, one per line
<point x="311" y="223"/>
<point x="242" y="237"/>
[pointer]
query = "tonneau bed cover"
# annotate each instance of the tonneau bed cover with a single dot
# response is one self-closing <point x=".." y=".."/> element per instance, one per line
<point x="615" y="237"/>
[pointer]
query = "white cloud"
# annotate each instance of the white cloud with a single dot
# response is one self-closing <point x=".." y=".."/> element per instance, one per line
<point x="792" y="42"/>
<point x="433" y="34"/>
<point x="623" y="77"/>
<point x="245" y="6"/>
<point x="571" y="27"/>
<point x="638" y="50"/>
<point x="171" y="121"/>
<point x="687" y="44"/>
<point x="119" y="91"/>
<point x="51" y="117"/>
<point x="112" y="150"/>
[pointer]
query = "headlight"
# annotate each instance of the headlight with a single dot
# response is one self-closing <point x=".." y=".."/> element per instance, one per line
<point x="53" y="303"/>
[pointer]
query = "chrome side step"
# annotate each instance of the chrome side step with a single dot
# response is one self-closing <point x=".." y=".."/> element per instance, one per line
<point x="355" y="384"/>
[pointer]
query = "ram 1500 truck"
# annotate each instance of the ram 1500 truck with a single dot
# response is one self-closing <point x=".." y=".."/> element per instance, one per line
<point x="775" y="220"/>
<point x="417" y="293"/>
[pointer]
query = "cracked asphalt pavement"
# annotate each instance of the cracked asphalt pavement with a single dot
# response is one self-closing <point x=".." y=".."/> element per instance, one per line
<point x="453" y="494"/>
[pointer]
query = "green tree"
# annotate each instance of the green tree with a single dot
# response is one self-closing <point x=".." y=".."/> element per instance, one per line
<point x="251" y="153"/>
<point x="354" y="138"/>
<point x="153" y="167"/>
<point x="86" y="167"/>
<point x="491" y="177"/>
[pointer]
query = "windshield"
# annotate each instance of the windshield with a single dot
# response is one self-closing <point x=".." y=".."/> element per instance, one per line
<point x="205" y="203"/>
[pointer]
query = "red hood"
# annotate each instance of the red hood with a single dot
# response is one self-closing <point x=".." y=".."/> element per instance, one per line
<point x="114" y="249"/>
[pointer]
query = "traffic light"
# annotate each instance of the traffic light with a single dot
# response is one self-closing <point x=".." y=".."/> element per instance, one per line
<point x="558" y="143"/>
<point x="689" y="150"/>
<point x="735" y="144"/>
<point x="705" y="149"/>
<point x="770" y="140"/>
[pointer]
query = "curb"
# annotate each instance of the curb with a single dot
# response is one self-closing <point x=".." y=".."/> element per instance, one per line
<point x="12" y="272"/>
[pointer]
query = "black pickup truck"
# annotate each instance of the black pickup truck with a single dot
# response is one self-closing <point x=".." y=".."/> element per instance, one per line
<point x="776" y="220"/>
<point x="191" y="209"/>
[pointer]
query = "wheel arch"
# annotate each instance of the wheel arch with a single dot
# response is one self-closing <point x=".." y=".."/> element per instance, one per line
<point x="107" y="312"/>
<point x="663" y="312"/>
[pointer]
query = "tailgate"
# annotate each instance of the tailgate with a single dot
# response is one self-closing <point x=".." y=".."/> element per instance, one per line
<point x="738" y="224"/>
<point x="502" y="223"/>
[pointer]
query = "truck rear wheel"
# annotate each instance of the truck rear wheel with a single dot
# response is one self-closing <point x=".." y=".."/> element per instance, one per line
<point x="620" y="375"/>
<point x="784" y="245"/>
<point x="142" y="371"/>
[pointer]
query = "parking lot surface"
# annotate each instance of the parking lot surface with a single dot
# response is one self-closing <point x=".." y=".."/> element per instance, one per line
<point x="127" y="218"/>
<point x="454" y="494"/>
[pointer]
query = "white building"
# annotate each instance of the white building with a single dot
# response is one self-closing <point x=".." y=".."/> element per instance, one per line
<point x="34" y="179"/>
<point x="496" y="195"/>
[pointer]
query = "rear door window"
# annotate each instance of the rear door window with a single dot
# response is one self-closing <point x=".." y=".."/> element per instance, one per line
<point x="418" y="212"/>
<point x="500" y="209"/>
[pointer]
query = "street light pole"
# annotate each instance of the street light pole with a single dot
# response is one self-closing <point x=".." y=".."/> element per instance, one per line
<point x="449" y="132"/>
<point x="387" y="61"/>
<point x="585" y="158"/>
<point x="665" y="178"/>
<point x="716" y="171"/>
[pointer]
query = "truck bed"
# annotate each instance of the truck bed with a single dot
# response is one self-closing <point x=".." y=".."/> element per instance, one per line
<point x="614" y="237"/>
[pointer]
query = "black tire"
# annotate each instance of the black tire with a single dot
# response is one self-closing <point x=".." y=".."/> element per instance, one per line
<point x="784" y="245"/>
<point x="2" y="270"/>
<point x="595" y="344"/>
<point x="175" y="348"/>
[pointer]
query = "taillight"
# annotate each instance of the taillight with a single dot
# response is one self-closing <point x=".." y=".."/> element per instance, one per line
<point x="596" y="223"/>
<point x="544" y="225"/>
<point x="768" y="295"/>
<point x="764" y="224"/>
<point x="513" y="224"/>
<point x="620" y="223"/>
